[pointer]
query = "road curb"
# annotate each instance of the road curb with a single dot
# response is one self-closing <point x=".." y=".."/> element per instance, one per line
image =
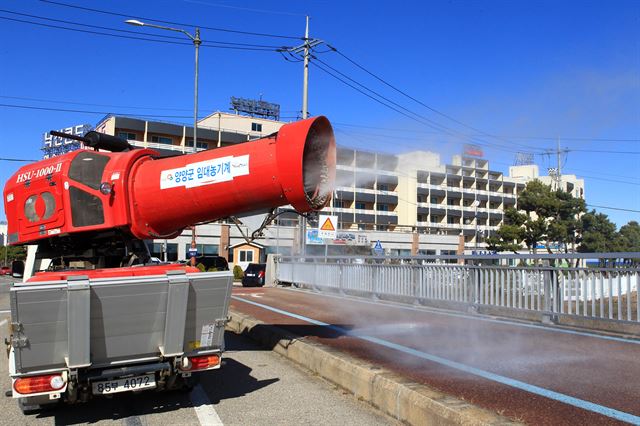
<point x="406" y="401"/>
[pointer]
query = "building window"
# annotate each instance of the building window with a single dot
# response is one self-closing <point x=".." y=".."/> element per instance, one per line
<point x="256" y="127"/>
<point x="382" y="228"/>
<point x="434" y="200"/>
<point x="383" y="187"/>
<point x="361" y="206"/>
<point x="382" y="207"/>
<point x="453" y="220"/>
<point x="201" y="145"/>
<point x="362" y="227"/>
<point x="434" y="219"/>
<point x="127" y="136"/>
<point x="452" y="202"/>
<point x="203" y="249"/>
<point x="339" y="204"/>
<point x="246" y="255"/>
<point x="162" y="139"/>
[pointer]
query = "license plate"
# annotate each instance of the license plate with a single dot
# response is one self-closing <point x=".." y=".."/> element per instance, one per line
<point x="123" y="385"/>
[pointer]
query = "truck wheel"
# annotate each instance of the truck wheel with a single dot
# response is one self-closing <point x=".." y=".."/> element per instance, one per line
<point x="188" y="383"/>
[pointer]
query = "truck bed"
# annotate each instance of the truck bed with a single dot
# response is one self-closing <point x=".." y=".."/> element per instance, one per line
<point x="91" y="323"/>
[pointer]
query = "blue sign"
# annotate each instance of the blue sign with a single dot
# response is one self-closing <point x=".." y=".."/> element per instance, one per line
<point x="378" y="248"/>
<point x="193" y="252"/>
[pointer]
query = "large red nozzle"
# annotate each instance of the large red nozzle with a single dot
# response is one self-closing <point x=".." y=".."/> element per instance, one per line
<point x="294" y="166"/>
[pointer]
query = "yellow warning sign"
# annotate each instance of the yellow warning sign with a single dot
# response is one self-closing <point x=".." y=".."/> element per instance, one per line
<point x="327" y="226"/>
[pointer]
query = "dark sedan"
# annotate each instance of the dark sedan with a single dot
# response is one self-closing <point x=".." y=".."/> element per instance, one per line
<point x="254" y="275"/>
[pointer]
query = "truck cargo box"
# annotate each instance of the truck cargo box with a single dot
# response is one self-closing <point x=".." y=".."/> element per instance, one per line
<point x="101" y="322"/>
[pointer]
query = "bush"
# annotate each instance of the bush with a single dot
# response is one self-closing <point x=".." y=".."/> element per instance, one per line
<point x="237" y="272"/>
<point x="201" y="267"/>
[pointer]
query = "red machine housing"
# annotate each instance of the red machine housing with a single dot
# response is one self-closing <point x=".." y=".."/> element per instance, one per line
<point x="150" y="197"/>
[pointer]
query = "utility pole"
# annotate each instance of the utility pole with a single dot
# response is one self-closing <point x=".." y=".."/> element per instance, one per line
<point x="304" y="49"/>
<point x="559" y="172"/>
<point x="305" y="74"/>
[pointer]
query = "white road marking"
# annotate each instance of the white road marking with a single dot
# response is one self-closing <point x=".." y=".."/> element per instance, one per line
<point x="3" y="322"/>
<point x="207" y="415"/>
<point x="5" y="311"/>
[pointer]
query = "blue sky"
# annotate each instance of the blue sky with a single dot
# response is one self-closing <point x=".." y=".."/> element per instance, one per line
<point x="516" y="74"/>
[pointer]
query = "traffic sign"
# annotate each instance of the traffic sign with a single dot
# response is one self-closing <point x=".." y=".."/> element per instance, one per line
<point x="193" y="252"/>
<point x="327" y="226"/>
<point x="377" y="248"/>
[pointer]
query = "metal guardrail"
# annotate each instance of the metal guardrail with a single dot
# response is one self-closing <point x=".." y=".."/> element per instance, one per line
<point x="534" y="283"/>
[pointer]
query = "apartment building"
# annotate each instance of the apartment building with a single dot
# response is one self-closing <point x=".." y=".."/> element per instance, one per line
<point x="378" y="191"/>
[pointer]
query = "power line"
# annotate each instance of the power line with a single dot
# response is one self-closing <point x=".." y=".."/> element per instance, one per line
<point x="433" y="124"/>
<point x="91" y="112"/>
<point x="227" y="30"/>
<point x="18" y="160"/>
<point x="383" y="81"/>
<point x="90" y="104"/>
<point x="398" y="129"/>
<point x="134" y="37"/>
<point x="603" y="151"/>
<point x="416" y="117"/>
<point x="45" y="18"/>
<point x="614" y="208"/>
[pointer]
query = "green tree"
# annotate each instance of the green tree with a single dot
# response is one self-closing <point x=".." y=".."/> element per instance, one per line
<point x="598" y="234"/>
<point x="543" y="216"/>
<point x="629" y="240"/>
<point x="510" y="235"/>
<point x="11" y="253"/>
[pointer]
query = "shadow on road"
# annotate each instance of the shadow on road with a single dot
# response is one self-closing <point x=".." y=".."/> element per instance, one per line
<point x="269" y="335"/>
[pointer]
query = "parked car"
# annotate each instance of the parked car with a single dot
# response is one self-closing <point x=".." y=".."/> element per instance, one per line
<point x="218" y="263"/>
<point x="5" y="270"/>
<point x="17" y="268"/>
<point x="254" y="275"/>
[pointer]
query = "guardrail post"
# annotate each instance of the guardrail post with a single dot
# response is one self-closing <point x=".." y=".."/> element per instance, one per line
<point x="549" y="310"/>
<point x="374" y="284"/>
<point x="340" y="279"/>
<point x="473" y="287"/>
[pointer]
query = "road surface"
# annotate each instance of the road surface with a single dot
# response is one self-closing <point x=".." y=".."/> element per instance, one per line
<point x="528" y="372"/>
<point x="254" y="387"/>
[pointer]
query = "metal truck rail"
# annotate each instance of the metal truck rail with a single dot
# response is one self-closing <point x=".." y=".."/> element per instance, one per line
<point x="521" y="282"/>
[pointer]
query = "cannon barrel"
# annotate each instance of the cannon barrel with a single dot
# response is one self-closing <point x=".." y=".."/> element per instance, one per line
<point x="294" y="166"/>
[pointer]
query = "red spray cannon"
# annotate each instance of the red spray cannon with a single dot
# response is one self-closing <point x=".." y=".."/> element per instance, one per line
<point x="88" y="201"/>
<point x="294" y="166"/>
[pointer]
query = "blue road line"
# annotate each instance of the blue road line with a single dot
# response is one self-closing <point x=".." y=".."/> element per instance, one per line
<point x="566" y="399"/>
<point x="476" y="317"/>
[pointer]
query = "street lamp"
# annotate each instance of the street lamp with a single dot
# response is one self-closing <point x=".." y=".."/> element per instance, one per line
<point x="196" y="42"/>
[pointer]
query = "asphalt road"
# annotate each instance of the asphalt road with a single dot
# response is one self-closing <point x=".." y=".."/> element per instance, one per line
<point x="253" y="387"/>
<point x="529" y="372"/>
